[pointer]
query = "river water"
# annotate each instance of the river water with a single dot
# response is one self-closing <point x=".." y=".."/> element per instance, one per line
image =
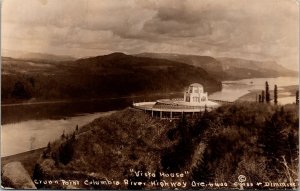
<point x="232" y="90"/>
<point x="33" y="134"/>
<point x="32" y="126"/>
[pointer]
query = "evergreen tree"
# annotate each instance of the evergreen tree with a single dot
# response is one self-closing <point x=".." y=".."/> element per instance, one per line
<point x="267" y="93"/>
<point x="38" y="175"/>
<point x="263" y="96"/>
<point x="297" y="97"/>
<point x="173" y="159"/>
<point x="184" y="131"/>
<point x="275" y="94"/>
<point x="63" y="136"/>
<point x="66" y="152"/>
<point x="73" y="137"/>
<point x="19" y="91"/>
<point x="272" y="140"/>
<point x="293" y="147"/>
<point x="56" y="158"/>
<point x="77" y="128"/>
<point x="48" y="146"/>
<point x="259" y="98"/>
<point x="205" y="109"/>
<point x="202" y="172"/>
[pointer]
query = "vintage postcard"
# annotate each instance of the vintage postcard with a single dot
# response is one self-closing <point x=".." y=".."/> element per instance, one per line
<point x="150" y="94"/>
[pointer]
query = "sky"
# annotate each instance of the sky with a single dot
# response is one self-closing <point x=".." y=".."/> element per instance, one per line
<point x="256" y="29"/>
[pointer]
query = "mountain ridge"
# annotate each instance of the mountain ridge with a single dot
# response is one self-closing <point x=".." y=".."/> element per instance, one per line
<point x="35" y="56"/>
<point x="112" y="75"/>
<point x="225" y="68"/>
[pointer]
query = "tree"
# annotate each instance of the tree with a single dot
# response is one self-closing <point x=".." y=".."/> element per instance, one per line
<point x="267" y="93"/>
<point x="19" y="91"/>
<point x="184" y="131"/>
<point x="297" y="97"/>
<point x="73" y="137"/>
<point x="66" y="152"/>
<point x="205" y="108"/>
<point x="259" y="98"/>
<point x="275" y="94"/>
<point x="293" y="147"/>
<point x="38" y="175"/>
<point x="263" y="96"/>
<point x="48" y="146"/>
<point x="203" y="171"/>
<point x="176" y="157"/>
<point x="63" y="136"/>
<point x="272" y="140"/>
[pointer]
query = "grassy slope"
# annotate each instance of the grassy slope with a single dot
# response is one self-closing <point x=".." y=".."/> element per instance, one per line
<point x="225" y="143"/>
<point x="110" y="146"/>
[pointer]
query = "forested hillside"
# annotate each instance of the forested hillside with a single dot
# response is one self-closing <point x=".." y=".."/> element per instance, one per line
<point x="228" y="68"/>
<point x="113" y="75"/>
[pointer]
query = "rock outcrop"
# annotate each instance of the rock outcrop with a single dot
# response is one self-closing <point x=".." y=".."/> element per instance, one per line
<point x="14" y="175"/>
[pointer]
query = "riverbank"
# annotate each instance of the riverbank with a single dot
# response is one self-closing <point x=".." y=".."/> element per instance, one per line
<point x="44" y="102"/>
<point x="283" y="92"/>
<point x="29" y="135"/>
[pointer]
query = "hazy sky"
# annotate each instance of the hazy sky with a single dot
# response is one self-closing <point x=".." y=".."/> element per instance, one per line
<point x="255" y="29"/>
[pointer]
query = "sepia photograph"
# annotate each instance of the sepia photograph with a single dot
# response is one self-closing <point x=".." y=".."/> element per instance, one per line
<point x="150" y="94"/>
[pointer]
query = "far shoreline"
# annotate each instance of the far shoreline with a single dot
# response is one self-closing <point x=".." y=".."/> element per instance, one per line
<point x="251" y="96"/>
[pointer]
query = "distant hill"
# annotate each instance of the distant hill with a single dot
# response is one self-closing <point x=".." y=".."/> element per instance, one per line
<point x="210" y="64"/>
<point x="242" y="68"/>
<point x="112" y="75"/>
<point x="228" y="68"/>
<point x="34" y="56"/>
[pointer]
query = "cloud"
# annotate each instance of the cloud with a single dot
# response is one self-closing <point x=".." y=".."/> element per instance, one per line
<point x="257" y="29"/>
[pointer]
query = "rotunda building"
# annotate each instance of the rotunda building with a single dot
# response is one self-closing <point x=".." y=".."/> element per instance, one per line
<point x="194" y="101"/>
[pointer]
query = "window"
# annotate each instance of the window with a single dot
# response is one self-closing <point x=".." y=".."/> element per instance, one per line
<point x="195" y="99"/>
<point x="203" y="99"/>
<point x="187" y="99"/>
<point x="191" y="90"/>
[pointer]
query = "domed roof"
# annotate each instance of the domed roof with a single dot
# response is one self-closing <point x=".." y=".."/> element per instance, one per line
<point x="196" y="85"/>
